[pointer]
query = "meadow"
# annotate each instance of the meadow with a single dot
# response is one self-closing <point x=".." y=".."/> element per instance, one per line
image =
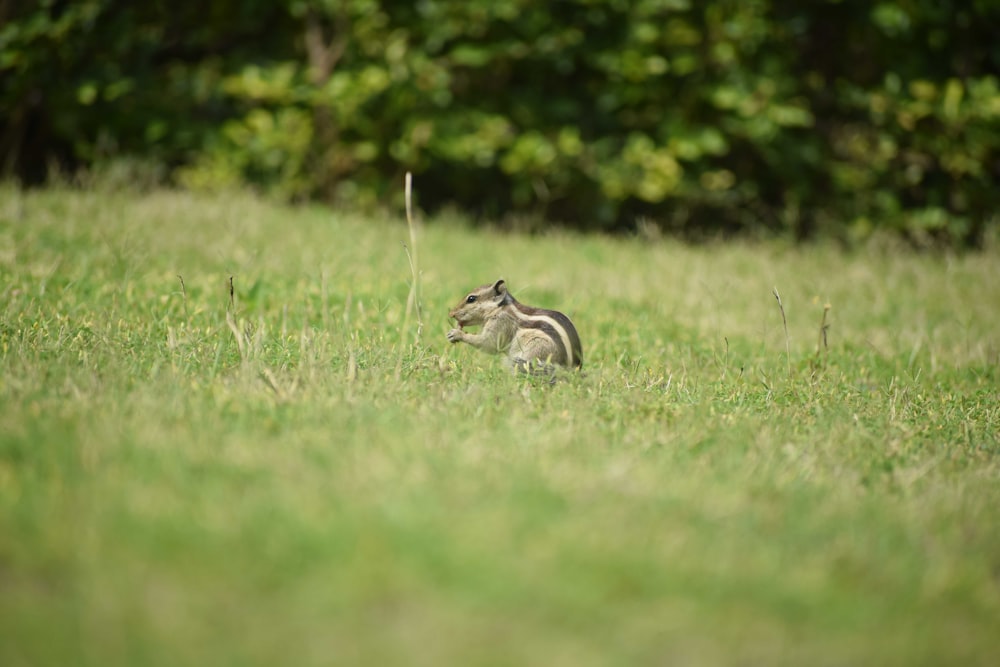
<point x="297" y="471"/>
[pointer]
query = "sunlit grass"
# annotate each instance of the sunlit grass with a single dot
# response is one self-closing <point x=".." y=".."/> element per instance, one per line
<point x="190" y="479"/>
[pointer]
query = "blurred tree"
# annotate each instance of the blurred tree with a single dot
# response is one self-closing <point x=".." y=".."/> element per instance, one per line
<point x="836" y="117"/>
<point x="85" y="80"/>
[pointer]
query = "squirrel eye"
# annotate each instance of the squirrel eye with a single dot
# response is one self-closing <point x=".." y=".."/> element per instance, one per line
<point x="471" y="299"/>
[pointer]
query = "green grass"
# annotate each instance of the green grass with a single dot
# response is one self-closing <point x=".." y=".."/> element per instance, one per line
<point x="310" y="485"/>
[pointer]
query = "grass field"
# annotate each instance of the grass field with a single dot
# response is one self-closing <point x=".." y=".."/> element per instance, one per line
<point x="302" y="476"/>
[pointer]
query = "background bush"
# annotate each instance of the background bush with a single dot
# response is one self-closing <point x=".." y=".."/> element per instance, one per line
<point x="833" y="117"/>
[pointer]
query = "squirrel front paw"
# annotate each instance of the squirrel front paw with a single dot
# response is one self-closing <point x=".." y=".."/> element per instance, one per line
<point x="455" y="335"/>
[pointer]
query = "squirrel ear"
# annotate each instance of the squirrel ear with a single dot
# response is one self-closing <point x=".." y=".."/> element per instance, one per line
<point x="499" y="287"/>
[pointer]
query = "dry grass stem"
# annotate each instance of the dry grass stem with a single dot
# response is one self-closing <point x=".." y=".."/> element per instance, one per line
<point x="821" y="344"/>
<point x="413" y="299"/>
<point x="184" y="295"/>
<point x="784" y="323"/>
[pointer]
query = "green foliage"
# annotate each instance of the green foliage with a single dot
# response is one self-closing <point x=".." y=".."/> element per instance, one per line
<point x="832" y="118"/>
<point x="186" y="480"/>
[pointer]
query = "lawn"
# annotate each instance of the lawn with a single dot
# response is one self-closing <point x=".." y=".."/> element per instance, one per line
<point x="298" y="473"/>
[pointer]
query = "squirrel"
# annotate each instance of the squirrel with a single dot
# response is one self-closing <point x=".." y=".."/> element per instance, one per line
<point x="533" y="338"/>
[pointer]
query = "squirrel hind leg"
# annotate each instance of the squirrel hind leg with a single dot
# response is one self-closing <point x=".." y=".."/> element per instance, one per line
<point x="534" y="367"/>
